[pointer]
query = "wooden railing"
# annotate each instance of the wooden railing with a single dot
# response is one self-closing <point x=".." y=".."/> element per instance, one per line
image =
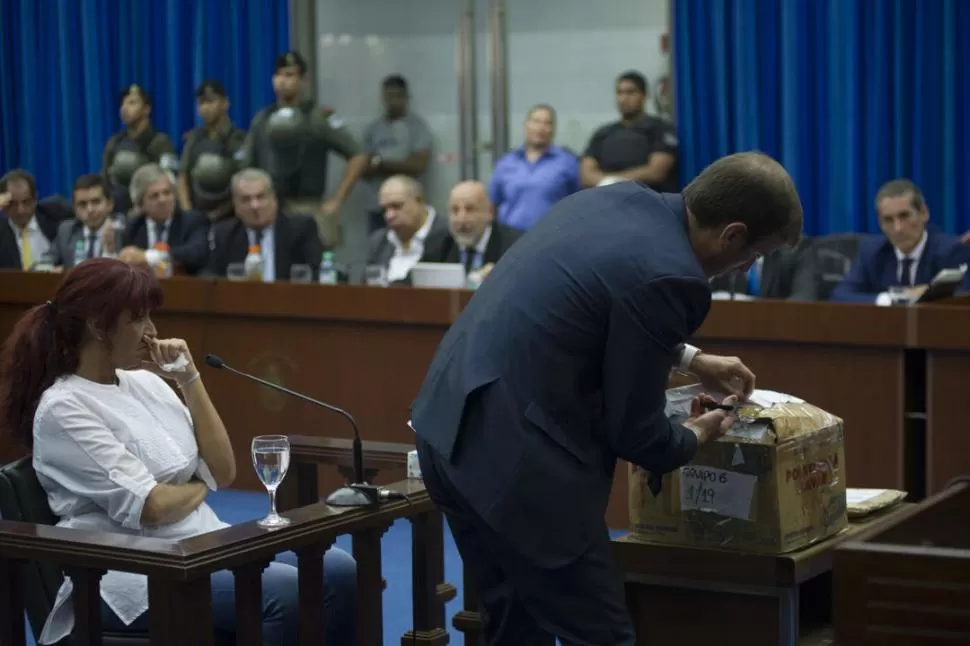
<point x="179" y="571"/>
<point x="308" y="452"/>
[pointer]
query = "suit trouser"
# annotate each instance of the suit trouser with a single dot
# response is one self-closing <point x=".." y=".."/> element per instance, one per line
<point x="581" y="604"/>
<point x="328" y="226"/>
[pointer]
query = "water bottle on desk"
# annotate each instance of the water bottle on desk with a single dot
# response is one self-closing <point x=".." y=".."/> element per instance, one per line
<point x="161" y="260"/>
<point x="253" y="265"/>
<point x="117" y="233"/>
<point x="80" y="252"/>
<point x="328" y="270"/>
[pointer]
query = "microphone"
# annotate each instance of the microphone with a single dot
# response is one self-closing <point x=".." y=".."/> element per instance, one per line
<point x="356" y="494"/>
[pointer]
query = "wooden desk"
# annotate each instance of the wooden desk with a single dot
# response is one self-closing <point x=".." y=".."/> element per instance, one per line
<point x="367" y="350"/>
<point x="909" y="581"/>
<point x="943" y="333"/>
<point x="687" y="595"/>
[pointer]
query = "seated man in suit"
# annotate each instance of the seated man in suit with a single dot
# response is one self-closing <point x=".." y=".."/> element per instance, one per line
<point x="283" y="240"/>
<point x="27" y="227"/>
<point x="413" y="226"/>
<point x="910" y="254"/>
<point x="160" y="221"/>
<point x="477" y="241"/>
<point x="93" y="220"/>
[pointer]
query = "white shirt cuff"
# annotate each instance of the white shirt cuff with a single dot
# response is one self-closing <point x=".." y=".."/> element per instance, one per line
<point x="686" y="357"/>
<point x="884" y="299"/>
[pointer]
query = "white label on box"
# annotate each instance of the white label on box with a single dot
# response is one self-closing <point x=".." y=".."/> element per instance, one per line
<point x="727" y="493"/>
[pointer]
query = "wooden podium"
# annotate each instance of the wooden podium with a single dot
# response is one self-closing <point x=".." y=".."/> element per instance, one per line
<point x="692" y="595"/>
<point x="908" y="582"/>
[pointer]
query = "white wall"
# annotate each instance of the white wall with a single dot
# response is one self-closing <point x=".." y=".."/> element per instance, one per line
<point x="563" y="52"/>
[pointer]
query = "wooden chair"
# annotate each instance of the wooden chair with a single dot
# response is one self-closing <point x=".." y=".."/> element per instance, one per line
<point x="23" y="499"/>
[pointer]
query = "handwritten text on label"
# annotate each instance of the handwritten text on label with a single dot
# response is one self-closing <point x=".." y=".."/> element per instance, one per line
<point x="728" y="493"/>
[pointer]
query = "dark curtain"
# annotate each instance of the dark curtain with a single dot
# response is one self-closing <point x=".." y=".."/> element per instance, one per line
<point x="847" y="94"/>
<point x="63" y="64"/>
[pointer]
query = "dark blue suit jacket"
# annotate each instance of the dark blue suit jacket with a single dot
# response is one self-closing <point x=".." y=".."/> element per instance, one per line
<point x="559" y="365"/>
<point x="874" y="268"/>
<point x="187" y="238"/>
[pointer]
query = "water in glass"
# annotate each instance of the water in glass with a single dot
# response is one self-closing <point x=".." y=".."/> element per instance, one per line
<point x="271" y="459"/>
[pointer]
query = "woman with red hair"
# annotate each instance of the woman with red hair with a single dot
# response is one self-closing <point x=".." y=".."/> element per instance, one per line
<point x="116" y="450"/>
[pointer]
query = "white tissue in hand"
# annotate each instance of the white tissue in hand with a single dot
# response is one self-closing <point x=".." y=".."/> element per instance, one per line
<point x="180" y="364"/>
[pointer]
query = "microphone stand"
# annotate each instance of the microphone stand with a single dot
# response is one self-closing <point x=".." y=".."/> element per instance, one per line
<point x="356" y="494"/>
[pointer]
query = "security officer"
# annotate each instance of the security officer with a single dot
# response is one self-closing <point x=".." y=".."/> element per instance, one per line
<point x="291" y="140"/>
<point x="638" y="147"/>
<point x="138" y="144"/>
<point x="210" y="155"/>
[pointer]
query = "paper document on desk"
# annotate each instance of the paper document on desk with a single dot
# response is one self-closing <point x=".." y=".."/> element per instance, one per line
<point x="859" y="496"/>
<point x="954" y="275"/>
<point x="861" y="502"/>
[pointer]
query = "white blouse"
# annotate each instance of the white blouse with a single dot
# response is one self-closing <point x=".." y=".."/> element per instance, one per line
<point x="98" y="452"/>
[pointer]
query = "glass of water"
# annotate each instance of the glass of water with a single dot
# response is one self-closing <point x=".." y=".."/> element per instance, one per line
<point x="375" y="275"/>
<point x="271" y="459"/>
<point x="236" y="271"/>
<point x="301" y="274"/>
<point x="899" y="295"/>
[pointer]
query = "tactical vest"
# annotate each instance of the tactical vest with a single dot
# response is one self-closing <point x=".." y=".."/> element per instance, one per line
<point x="299" y="170"/>
<point x="127" y="156"/>
<point x="211" y="167"/>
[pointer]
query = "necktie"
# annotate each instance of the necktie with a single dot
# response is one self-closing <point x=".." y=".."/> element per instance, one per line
<point x="92" y="241"/>
<point x="26" y="256"/>
<point x="905" y="272"/>
<point x="469" y="260"/>
<point x="160" y="232"/>
<point x="754" y="281"/>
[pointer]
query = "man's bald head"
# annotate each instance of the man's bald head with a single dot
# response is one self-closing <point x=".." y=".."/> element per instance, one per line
<point x="402" y="201"/>
<point x="469" y="190"/>
<point x="469" y="212"/>
<point x="741" y="208"/>
<point x="403" y="184"/>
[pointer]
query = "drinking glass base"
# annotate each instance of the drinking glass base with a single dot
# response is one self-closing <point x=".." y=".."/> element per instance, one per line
<point x="273" y="520"/>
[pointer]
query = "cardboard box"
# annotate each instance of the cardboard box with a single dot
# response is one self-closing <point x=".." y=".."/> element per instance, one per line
<point x="771" y="485"/>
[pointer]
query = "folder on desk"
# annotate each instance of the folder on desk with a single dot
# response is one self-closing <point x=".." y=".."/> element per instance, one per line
<point x="943" y="285"/>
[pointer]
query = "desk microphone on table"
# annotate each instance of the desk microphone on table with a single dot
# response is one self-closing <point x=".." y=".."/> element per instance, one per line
<point x="356" y="494"/>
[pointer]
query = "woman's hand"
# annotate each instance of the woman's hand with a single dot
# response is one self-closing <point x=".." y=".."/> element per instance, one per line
<point x="163" y="351"/>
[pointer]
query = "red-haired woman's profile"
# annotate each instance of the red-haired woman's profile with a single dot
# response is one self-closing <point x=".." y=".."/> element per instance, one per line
<point x="83" y="385"/>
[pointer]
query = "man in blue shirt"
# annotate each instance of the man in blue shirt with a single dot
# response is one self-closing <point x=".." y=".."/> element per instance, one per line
<point x="908" y="255"/>
<point x="527" y="181"/>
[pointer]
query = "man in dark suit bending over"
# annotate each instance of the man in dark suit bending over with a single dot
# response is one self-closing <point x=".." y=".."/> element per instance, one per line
<point x="283" y="240"/>
<point x="559" y="365"/>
